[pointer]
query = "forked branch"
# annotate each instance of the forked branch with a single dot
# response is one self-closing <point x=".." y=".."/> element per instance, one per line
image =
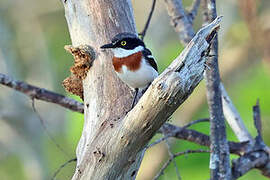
<point x="129" y="137"/>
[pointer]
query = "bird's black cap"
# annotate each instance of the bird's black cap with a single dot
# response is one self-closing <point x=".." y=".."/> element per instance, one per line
<point x="124" y="35"/>
<point x="131" y="40"/>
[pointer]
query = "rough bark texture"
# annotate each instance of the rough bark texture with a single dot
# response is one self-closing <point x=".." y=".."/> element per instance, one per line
<point x="185" y="32"/>
<point x="180" y="21"/>
<point x="220" y="156"/>
<point x="110" y="145"/>
<point x="106" y="98"/>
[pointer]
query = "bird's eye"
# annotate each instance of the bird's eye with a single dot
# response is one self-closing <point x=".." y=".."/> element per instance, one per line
<point x="123" y="43"/>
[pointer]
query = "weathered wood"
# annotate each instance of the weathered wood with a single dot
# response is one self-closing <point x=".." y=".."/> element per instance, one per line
<point x="117" y="144"/>
<point x="180" y="20"/>
<point x="233" y="117"/>
<point x="185" y="31"/>
<point x="110" y="144"/>
<point x="106" y="98"/>
<point x="220" y="155"/>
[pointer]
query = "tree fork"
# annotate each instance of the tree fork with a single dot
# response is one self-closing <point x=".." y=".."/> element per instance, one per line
<point x="111" y="143"/>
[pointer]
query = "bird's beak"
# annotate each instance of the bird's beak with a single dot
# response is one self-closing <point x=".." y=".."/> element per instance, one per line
<point x="106" y="46"/>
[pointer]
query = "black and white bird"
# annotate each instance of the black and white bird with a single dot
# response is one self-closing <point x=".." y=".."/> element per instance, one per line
<point x="132" y="61"/>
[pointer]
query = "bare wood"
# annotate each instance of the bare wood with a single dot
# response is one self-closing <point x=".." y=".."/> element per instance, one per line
<point x="180" y="21"/>
<point x="257" y="155"/>
<point x="41" y="93"/>
<point x="103" y="153"/>
<point x="220" y="155"/>
<point x="106" y="98"/>
<point x="178" y="16"/>
<point x="174" y="131"/>
<point x="233" y="117"/>
<point x="255" y="159"/>
<point x="190" y="135"/>
<point x="166" y="93"/>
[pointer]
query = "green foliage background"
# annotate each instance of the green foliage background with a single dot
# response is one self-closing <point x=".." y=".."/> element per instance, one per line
<point x="31" y="49"/>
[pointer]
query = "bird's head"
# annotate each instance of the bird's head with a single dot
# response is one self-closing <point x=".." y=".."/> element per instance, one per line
<point x="125" y="44"/>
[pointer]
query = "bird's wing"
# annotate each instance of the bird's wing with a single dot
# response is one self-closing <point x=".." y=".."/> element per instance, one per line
<point x="150" y="59"/>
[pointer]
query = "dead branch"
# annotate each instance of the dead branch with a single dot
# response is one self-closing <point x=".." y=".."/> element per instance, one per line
<point x="62" y="166"/>
<point x="127" y="138"/>
<point x="195" y="122"/>
<point x="177" y="155"/>
<point x="172" y="157"/>
<point x="257" y="155"/>
<point x="41" y="94"/>
<point x="180" y="21"/>
<point x="42" y="122"/>
<point x="220" y="155"/>
<point x="249" y="161"/>
<point x="190" y="135"/>
<point x="107" y="99"/>
<point x="233" y="117"/>
<point x="181" y="133"/>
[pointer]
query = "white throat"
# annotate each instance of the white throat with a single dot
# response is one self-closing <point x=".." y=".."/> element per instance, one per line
<point x="120" y="52"/>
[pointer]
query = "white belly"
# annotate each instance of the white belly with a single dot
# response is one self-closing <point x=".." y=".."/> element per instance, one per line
<point x="140" y="78"/>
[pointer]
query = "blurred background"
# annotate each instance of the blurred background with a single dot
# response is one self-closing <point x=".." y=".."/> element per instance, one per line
<point x="32" y="36"/>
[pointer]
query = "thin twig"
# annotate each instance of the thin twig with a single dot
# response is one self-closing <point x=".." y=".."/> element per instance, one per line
<point x="174" y="162"/>
<point x="142" y="34"/>
<point x="171" y="134"/>
<point x="62" y="166"/>
<point x="257" y="118"/>
<point x="195" y="122"/>
<point x="175" y="9"/>
<point x="41" y="94"/>
<point x="176" y="155"/>
<point x="42" y="122"/>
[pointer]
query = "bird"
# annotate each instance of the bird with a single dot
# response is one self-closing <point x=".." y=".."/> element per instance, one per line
<point x="132" y="61"/>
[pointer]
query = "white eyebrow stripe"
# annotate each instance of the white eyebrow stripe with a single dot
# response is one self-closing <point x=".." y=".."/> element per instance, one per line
<point x="120" y="52"/>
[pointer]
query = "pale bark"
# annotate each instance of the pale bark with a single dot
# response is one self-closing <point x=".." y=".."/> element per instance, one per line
<point x="233" y="117"/>
<point x="180" y="21"/>
<point x="106" y="98"/>
<point x="110" y="145"/>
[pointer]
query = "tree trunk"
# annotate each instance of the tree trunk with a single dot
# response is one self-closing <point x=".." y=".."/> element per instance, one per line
<point x="112" y="142"/>
<point x="106" y="98"/>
